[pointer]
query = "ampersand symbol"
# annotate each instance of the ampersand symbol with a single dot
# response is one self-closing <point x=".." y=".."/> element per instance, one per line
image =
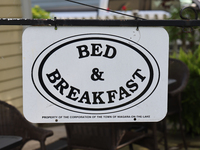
<point x="96" y="75"/>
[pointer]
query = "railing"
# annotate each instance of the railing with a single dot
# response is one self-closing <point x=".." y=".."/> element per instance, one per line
<point x="109" y="16"/>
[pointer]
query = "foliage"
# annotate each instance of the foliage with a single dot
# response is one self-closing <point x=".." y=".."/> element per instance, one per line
<point x="39" y="13"/>
<point x="191" y="95"/>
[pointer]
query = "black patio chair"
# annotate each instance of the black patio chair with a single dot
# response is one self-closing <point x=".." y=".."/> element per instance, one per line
<point x="13" y="123"/>
<point x="102" y="136"/>
<point x="180" y="72"/>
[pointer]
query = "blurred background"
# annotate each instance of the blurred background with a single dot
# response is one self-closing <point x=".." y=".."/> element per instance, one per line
<point x="184" y="43"/>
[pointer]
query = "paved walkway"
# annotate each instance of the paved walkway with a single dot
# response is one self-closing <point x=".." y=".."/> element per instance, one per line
<point x="175" y="142"/>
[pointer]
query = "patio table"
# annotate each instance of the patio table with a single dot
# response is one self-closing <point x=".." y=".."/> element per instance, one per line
<point x="9" y="142"/>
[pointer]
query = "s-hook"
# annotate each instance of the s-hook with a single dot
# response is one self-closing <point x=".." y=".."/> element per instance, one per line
<point x="55" y="24"/>
<point x="137" y="25"/>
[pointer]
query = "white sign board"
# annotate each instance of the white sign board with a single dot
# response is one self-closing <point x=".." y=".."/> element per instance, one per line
<point x="95" y="74"/>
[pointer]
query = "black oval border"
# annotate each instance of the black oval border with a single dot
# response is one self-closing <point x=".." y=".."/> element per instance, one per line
<point x="95" y="38"/>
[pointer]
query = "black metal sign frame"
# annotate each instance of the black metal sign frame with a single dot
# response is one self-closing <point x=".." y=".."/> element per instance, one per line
<point x="69" y="22"/>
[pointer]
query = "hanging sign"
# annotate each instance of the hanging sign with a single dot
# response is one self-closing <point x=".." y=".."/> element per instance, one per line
<point x="95" y="74"/>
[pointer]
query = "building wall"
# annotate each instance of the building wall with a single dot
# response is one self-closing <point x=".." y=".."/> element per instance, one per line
<point x="11" y="55"/>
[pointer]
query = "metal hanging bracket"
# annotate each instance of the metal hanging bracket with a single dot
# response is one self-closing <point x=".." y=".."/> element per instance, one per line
<point x="137" y="21"/>
<point x="69" y="22"/>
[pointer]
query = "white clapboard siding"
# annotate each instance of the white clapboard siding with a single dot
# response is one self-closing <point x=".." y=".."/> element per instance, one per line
<point x="10" y="11"/>
<point x="11" y="73"/>
<point x="11" y="94"/>
<point x="11" y="49"/>
<point x="10" y="37"/>
<point x="10" y="28"/>
<point x="10" y="84"/>
<point x="10" y="62"/>
<point x="11" y="55"/>
<point x="10" y="2"/>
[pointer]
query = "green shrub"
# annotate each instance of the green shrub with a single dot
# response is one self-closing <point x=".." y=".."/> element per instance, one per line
<point x="39" y="13"/>
<point x="191" y="94"/>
